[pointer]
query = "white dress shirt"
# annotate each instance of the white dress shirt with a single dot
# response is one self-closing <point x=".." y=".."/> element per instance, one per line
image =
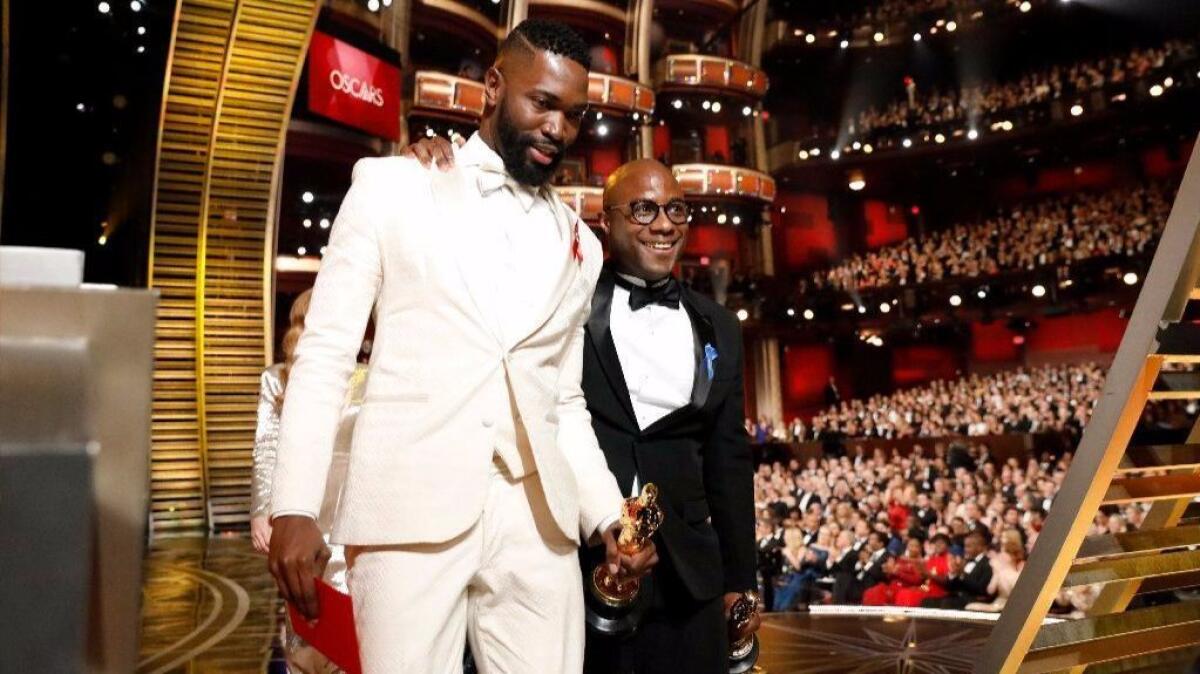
<point x="656" y="349"/>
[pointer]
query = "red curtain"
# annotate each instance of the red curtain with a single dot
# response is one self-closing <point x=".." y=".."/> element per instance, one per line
<point x="885" y="223"/>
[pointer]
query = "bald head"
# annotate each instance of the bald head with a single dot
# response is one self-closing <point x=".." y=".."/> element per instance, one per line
<point x="647" y="250"/>
<point x="649" y="178"/>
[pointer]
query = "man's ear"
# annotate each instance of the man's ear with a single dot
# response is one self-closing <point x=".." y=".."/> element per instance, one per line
<point x="493" y="86"/>
<point x="604" y="225"/>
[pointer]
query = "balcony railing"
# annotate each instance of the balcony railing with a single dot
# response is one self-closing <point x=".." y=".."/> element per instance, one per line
<point x="460" y="97"/>
<point x="712" y="73"/>
<point x="444" y="94"/>
<point x="588" y="202"/>
<point x="617" y="94"/>
<point x="715" y="180"/>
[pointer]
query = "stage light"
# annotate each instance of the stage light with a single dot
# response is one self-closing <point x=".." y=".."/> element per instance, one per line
<point x="907" y="142"/>
<point x="141" y="49"/>
<point x="636" y="116"/>
<point x="816" y="152"/>
<point x="844" y="44"/>
<point x="868" y="149"/>
<point x="104" y="8"/>
<point x="721" y="219"/>
<point x="835" y="154"/>
<point x="704" y="209"/>
<point x="972" y="134"/>
<point x="858" y="181"/>
<point x="857" y="145"/>
<point x="373" y="5"/>
<point x="862" y="309"/>
<point x="878" y="37"/>
<point x="939" y="138"/>
<point x="135" y="5"/>
<point x="1025" y="6"/>
<point x="955" y="300"/>
<point x="1156" y="90"/>
<point x="742" y="314"/>
<point x="809" y="315"/>
<point x="810" y="38"/>
<point x="599" y="115"/>
<point x="1169" y="82"/>
<point x="981" y="294"/>
<point x="798" y="32"/>
<point x="847" y="307"/>
<point x="706" y="105"/>
<point x="791" y="312"/>
<point x="324" y="224"/>
<point x="102" y="240"/>
<point x="746" y="111"/>
<point x="307" y="223"/>
<point x="916" y="37"/>
<point x="885" y="308"/>
<point x="951" y="26"/>
<point x="1130" y="278"/>
<point x="737" y="219"/>
<point x="388" y="3"/>
<point x="602" y="130"/>
<point x="1039" y="290"/>
<point x="782" y="210"/>
<point x="677" y="104"/>
<point x="307" y="197"/>
<point x="716" y="106"/>
<point x="80" y="107"/>
<point x="803" y="154"/>
<point x="141" y="30"/>
<point x="1076" y="110"/>
<point x="302" y="251"/>
<point x="429" y="132"/>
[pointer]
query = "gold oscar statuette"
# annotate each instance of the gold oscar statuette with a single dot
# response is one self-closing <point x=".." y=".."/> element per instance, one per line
<point x="640" y="518"/>
<point x="743" y="653"/>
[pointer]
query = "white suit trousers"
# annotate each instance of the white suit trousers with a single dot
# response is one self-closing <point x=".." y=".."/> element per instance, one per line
<point x="510" y="584"/>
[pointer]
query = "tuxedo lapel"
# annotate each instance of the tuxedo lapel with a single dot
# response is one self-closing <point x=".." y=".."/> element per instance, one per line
<point x="599" y="331"/>
<point x="457" y="194"/>
<point x="568" y="265"/>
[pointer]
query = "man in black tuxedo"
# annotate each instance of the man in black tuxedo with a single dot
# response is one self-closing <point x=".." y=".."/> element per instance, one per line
<point x="868" y="571"/>
<point x="969" y="576"/>
<point x="662" y="375"/>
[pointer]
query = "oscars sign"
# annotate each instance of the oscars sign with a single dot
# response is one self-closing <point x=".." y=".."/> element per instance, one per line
<point x="350" y="86"/>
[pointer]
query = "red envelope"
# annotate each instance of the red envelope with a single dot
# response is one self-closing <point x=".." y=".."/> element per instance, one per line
<point x="333" y="634"/>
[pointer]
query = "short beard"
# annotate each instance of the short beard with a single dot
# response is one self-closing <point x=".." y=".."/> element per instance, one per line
<point x="513" y="145"/>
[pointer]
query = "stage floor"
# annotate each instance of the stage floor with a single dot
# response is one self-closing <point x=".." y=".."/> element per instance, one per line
<point x="209" y="605"/>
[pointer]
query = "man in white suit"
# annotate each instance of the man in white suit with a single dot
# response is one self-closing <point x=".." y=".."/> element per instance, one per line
<point x="474" y="471"/>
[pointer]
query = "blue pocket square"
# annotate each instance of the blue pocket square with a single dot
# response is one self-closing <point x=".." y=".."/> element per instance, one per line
<point x="710" y="355"/>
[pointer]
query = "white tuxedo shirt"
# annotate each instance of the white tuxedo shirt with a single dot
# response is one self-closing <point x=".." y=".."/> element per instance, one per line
<point x="480" y="290"/>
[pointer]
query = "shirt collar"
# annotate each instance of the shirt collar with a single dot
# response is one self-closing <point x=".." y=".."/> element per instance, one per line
<point x="491" y="174"/>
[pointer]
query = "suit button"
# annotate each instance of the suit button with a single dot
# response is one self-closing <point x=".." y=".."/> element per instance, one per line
<point x="487" y="423"/>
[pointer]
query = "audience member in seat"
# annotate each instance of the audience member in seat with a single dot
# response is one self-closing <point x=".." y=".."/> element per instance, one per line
<point x="970" y="576"/>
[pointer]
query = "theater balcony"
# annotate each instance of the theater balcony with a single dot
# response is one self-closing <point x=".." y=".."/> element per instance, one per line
<point x="437" y="94"/>
<point x="604" y="14"/>
<point x="715" y="181"/>
<point x="586" y="200"/>
<point x="700" y="73"/>
<point x="619" y="96"/>
<point x="465" y="23"/>
<point x="718" y="10"/>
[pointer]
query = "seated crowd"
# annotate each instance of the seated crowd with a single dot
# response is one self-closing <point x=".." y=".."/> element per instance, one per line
<point x="918" y="110"/>
<point x="947" y="529"/>
<point x="1054" y="231"/>
<point x="1048" y="398"/>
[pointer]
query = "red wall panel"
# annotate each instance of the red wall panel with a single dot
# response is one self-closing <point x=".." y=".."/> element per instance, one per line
<point x="804" y="234"/>
<point x="806" y="370"/>
<point x="1100" y="331"/>
<point x="993" y="342"/>
<point x="885" y="223"/>
<point x="605" y="160"/>
<point x="716" y="142"/>
<point x="917" y="364"/>
<point x="713" y="241"/>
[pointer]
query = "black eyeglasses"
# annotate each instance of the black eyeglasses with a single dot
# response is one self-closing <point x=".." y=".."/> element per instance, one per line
<point x="645" y="211"/>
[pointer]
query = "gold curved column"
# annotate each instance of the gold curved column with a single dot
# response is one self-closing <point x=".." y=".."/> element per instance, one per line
<point x="231" y="80"/>
<point x="515" y="12"/>
<point x="637" y="62"/>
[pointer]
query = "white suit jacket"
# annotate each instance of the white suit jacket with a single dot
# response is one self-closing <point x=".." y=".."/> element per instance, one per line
<point x="440" y="371"/>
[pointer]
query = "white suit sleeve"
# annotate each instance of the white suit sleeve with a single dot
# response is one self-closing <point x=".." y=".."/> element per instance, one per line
<point x="345" y="292"/>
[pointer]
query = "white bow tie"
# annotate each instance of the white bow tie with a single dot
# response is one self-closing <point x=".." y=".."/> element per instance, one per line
<point x="492" y="178"/>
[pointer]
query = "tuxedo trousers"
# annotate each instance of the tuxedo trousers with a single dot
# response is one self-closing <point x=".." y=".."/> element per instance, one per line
<point x="510" y="586"/>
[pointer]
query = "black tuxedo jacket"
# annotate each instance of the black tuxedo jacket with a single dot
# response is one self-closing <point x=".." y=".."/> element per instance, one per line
<point x="974" y="584"/>
<point x="698" y="455"/>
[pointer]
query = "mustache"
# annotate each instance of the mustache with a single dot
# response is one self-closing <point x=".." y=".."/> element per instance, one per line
<point x="544" y="143"/>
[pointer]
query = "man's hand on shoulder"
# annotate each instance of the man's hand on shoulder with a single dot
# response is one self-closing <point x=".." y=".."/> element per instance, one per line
<point x="433" y="150"/>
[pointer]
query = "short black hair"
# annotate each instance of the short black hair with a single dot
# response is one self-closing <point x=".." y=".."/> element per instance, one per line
<point x="552" y="36"/>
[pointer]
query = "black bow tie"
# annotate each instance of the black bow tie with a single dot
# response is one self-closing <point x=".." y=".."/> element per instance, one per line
<point x="666" y="293"/>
